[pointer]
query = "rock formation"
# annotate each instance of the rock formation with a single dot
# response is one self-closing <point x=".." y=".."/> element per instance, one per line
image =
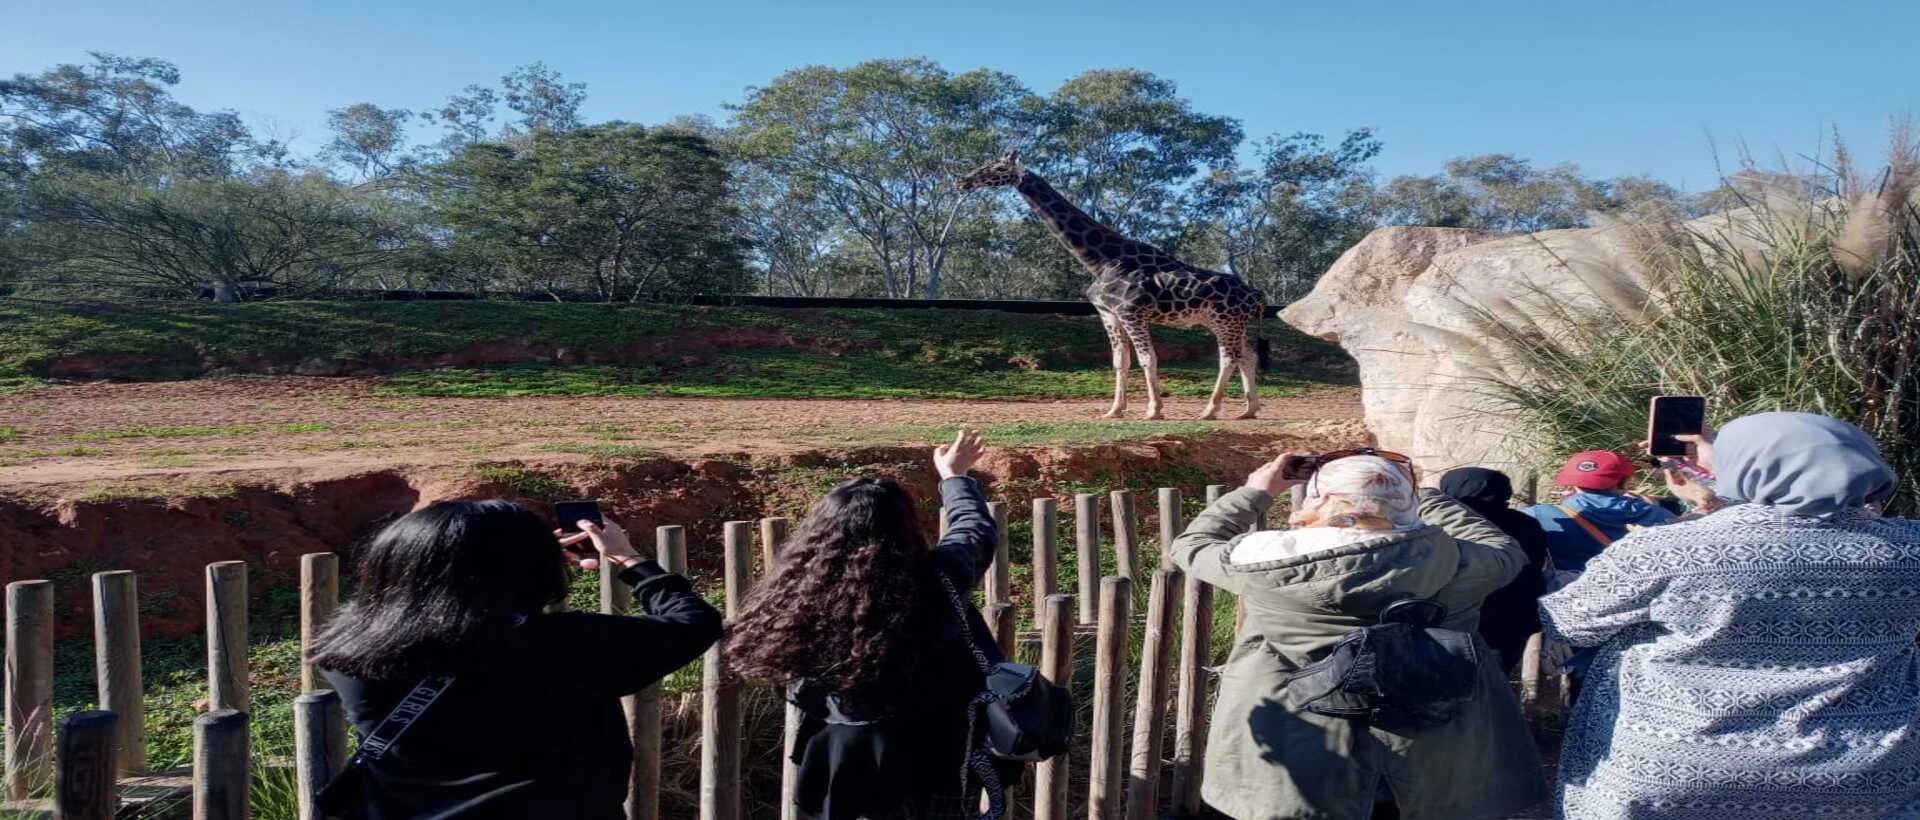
<point x="1428" y="314"/>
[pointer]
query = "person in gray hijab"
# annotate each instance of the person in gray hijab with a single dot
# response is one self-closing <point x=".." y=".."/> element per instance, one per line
<point x="1759" y="662"/>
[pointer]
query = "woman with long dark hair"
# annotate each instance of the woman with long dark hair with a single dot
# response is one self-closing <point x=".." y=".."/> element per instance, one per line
<point x="859" y="627"/>
<point x="528" y="723"/>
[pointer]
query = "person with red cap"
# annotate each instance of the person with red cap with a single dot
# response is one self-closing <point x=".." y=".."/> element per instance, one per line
<point x="1599" y="512"/>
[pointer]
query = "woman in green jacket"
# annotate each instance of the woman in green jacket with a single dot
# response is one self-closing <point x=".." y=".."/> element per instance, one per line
<point x="1362" y="539"/>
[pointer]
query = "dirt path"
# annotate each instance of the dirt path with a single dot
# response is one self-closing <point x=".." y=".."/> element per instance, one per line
<point x="105" y="432"/>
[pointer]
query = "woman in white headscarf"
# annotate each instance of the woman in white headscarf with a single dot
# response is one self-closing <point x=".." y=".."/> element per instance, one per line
<point x="1757" y="663"/>
<point x="1362" y="541"/>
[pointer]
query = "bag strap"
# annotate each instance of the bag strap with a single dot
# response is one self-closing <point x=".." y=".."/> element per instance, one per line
<point x="966" y="624"/>
<point x="1592" y="530"/>
<point x="409" y="709"/>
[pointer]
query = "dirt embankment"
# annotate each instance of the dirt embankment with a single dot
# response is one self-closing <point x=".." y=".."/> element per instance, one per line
<point x="271" y="520"/>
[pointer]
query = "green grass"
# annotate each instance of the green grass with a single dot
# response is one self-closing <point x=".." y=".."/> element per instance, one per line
<point x="799" y="374"/>
<point x="10" y="433"/>
<point x="522" y="481"/>
<point x="720" y="352"/>
<point x="159" y="432"/>
<point x="601" y="450"/>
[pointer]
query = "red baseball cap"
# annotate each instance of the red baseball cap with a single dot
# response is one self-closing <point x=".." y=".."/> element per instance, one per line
<point x="1595" y="470"/>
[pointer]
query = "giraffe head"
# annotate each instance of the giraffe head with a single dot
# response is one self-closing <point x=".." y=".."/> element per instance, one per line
<point x="1004" y="171"/>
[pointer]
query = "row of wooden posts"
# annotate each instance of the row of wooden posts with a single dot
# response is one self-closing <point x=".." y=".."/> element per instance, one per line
<point x="93" y="749"/>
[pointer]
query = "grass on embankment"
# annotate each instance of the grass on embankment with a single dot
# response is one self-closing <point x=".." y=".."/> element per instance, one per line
<point x="634" y="350"/>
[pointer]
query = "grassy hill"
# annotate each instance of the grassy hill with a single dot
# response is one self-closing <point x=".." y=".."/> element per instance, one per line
<point x="517" y="348"/>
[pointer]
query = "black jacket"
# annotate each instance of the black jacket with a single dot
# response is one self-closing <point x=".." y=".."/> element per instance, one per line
<point x="535" y="729"/>
<point x="1512" y="613"/>
<point x="906" y="763"/>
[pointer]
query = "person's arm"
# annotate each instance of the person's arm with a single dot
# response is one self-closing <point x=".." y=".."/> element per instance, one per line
<point x="1201" y="551"/>
<point x="972" y="536"/>
<point x="1605" y="600"/>
<point x="1488" y="556"/>
<point x="966" y="552"/>
<point x="630" y="652"/>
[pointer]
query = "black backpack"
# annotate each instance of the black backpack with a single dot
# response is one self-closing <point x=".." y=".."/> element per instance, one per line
<point x="1403" y="674"/>
<point x="1026" y="716"/>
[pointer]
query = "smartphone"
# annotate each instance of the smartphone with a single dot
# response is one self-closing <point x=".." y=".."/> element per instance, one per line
<point x="1670" y="416"/>
<point x="1299" y="468"/>
<point x="569" y="514"/>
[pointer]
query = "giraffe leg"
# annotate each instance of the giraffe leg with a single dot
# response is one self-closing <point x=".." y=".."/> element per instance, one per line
<point x="1219" y="385"/>
<point x="1249" y="377"/>
<point x="1122" y="362"/>
<point x="1142" y="337"/>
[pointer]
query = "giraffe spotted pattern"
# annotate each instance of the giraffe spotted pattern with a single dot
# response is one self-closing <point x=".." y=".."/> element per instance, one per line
<point x="1136" y="286"/>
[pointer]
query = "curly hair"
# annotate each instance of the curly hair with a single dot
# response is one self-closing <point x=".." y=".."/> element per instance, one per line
<point x="855" y="604"/>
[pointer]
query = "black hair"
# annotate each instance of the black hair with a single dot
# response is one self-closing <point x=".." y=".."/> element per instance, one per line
<point x="439" y="584"/>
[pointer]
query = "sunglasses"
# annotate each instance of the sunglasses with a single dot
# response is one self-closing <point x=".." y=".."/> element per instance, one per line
<point x="1309" y="465"/>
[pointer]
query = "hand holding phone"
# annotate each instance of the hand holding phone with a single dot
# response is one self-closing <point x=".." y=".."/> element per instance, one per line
<point x="1669" y="417"/>
<point x="1299" y="467"/>
<point x="568" y="515"/>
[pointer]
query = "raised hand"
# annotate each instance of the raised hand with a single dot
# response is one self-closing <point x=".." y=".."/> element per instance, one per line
<point x="953" y="460"/>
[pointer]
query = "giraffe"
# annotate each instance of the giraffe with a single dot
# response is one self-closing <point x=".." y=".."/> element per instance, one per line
<point x="1136" y="285"/>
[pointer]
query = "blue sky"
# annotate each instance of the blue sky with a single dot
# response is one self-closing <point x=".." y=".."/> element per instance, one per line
<point x="1621" y="87"/>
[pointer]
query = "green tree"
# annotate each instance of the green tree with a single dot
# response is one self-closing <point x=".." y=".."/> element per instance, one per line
<point x="1502" y="192"/>
<point x="116" y="117"/>
<point x="1282" y="223"/>
<point x="618" y="210"/>
<point x="274" y="231"/>
<point x="370" y="140"/>
<point x="1125" y="146"/>
<point x="878" y="146"/>
<point x="543" y="99"/>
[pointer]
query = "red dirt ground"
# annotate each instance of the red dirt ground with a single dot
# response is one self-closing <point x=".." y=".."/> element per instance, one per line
<point x="112" y="432"/>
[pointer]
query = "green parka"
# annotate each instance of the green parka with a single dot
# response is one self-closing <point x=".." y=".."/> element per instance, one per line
<point x="1265" y="760"/>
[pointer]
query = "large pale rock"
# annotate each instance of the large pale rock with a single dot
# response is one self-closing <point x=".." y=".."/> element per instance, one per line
<point x="1430" y="315"/>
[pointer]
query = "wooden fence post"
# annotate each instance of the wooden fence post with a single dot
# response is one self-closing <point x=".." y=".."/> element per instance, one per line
<point x="1046" y="551"/>
<point x="720" y="694"/>
<point x="221" y="765"/>
<point x="320" y="746"/>
<point x="1126" y="535"/>
<point x="773" y="533"/>
<point x="644" y="721"/>
<point x="1172" y="521"/>
<point x="1150" y="708"/>
<point x="1214" y="491"/>
<point x="87" y="787"/>
<point x="319" y="600"/>
<point x="227" y="636"/>
<point x="116" y="652"/>
<point x="1530" y="672"/>
<point x="1004" y="623"/>
<point x="29" y="687"/>
<point x="773" y="539"/>
<point x="1086" y="531"/>
<point x="1108" y="782"/>
<point x="1000" y="577"/>
<point x="1190" y="718"/>
<point x="1056" y="663"/>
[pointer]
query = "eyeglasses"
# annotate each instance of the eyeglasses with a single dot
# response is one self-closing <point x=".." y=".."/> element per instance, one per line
<point x="1405" y="463"/>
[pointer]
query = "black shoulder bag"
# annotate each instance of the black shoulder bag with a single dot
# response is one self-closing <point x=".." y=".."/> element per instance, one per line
<point x="1028" y="718"/>
<point x="347" y="794"/>
<point x="1404" y="674"/>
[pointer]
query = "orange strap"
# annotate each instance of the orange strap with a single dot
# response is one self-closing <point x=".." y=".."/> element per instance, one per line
<point x="1592" y="530"/>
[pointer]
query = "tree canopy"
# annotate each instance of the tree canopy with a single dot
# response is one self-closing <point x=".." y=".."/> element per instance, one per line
<point x="825" y="181"/>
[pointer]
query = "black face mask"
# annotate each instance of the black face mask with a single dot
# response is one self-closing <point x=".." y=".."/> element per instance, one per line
<point x="1478" y="487"/>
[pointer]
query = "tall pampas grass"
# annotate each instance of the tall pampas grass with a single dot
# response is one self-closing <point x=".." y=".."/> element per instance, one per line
<point x="1786" y="302"/>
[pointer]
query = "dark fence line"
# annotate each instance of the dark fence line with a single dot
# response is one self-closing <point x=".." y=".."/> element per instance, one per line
<point x="1057" y="307"/>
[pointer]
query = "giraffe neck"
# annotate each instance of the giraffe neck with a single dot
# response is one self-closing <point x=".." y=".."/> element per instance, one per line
<point x="1090" y="242"/>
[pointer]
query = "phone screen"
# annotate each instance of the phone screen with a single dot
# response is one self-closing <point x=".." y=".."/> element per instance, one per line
<point x="569" y="514"/>
<point x="1674" y="416"/>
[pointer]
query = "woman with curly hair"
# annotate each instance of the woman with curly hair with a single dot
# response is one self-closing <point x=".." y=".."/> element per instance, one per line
<point x="859" y="628"/>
